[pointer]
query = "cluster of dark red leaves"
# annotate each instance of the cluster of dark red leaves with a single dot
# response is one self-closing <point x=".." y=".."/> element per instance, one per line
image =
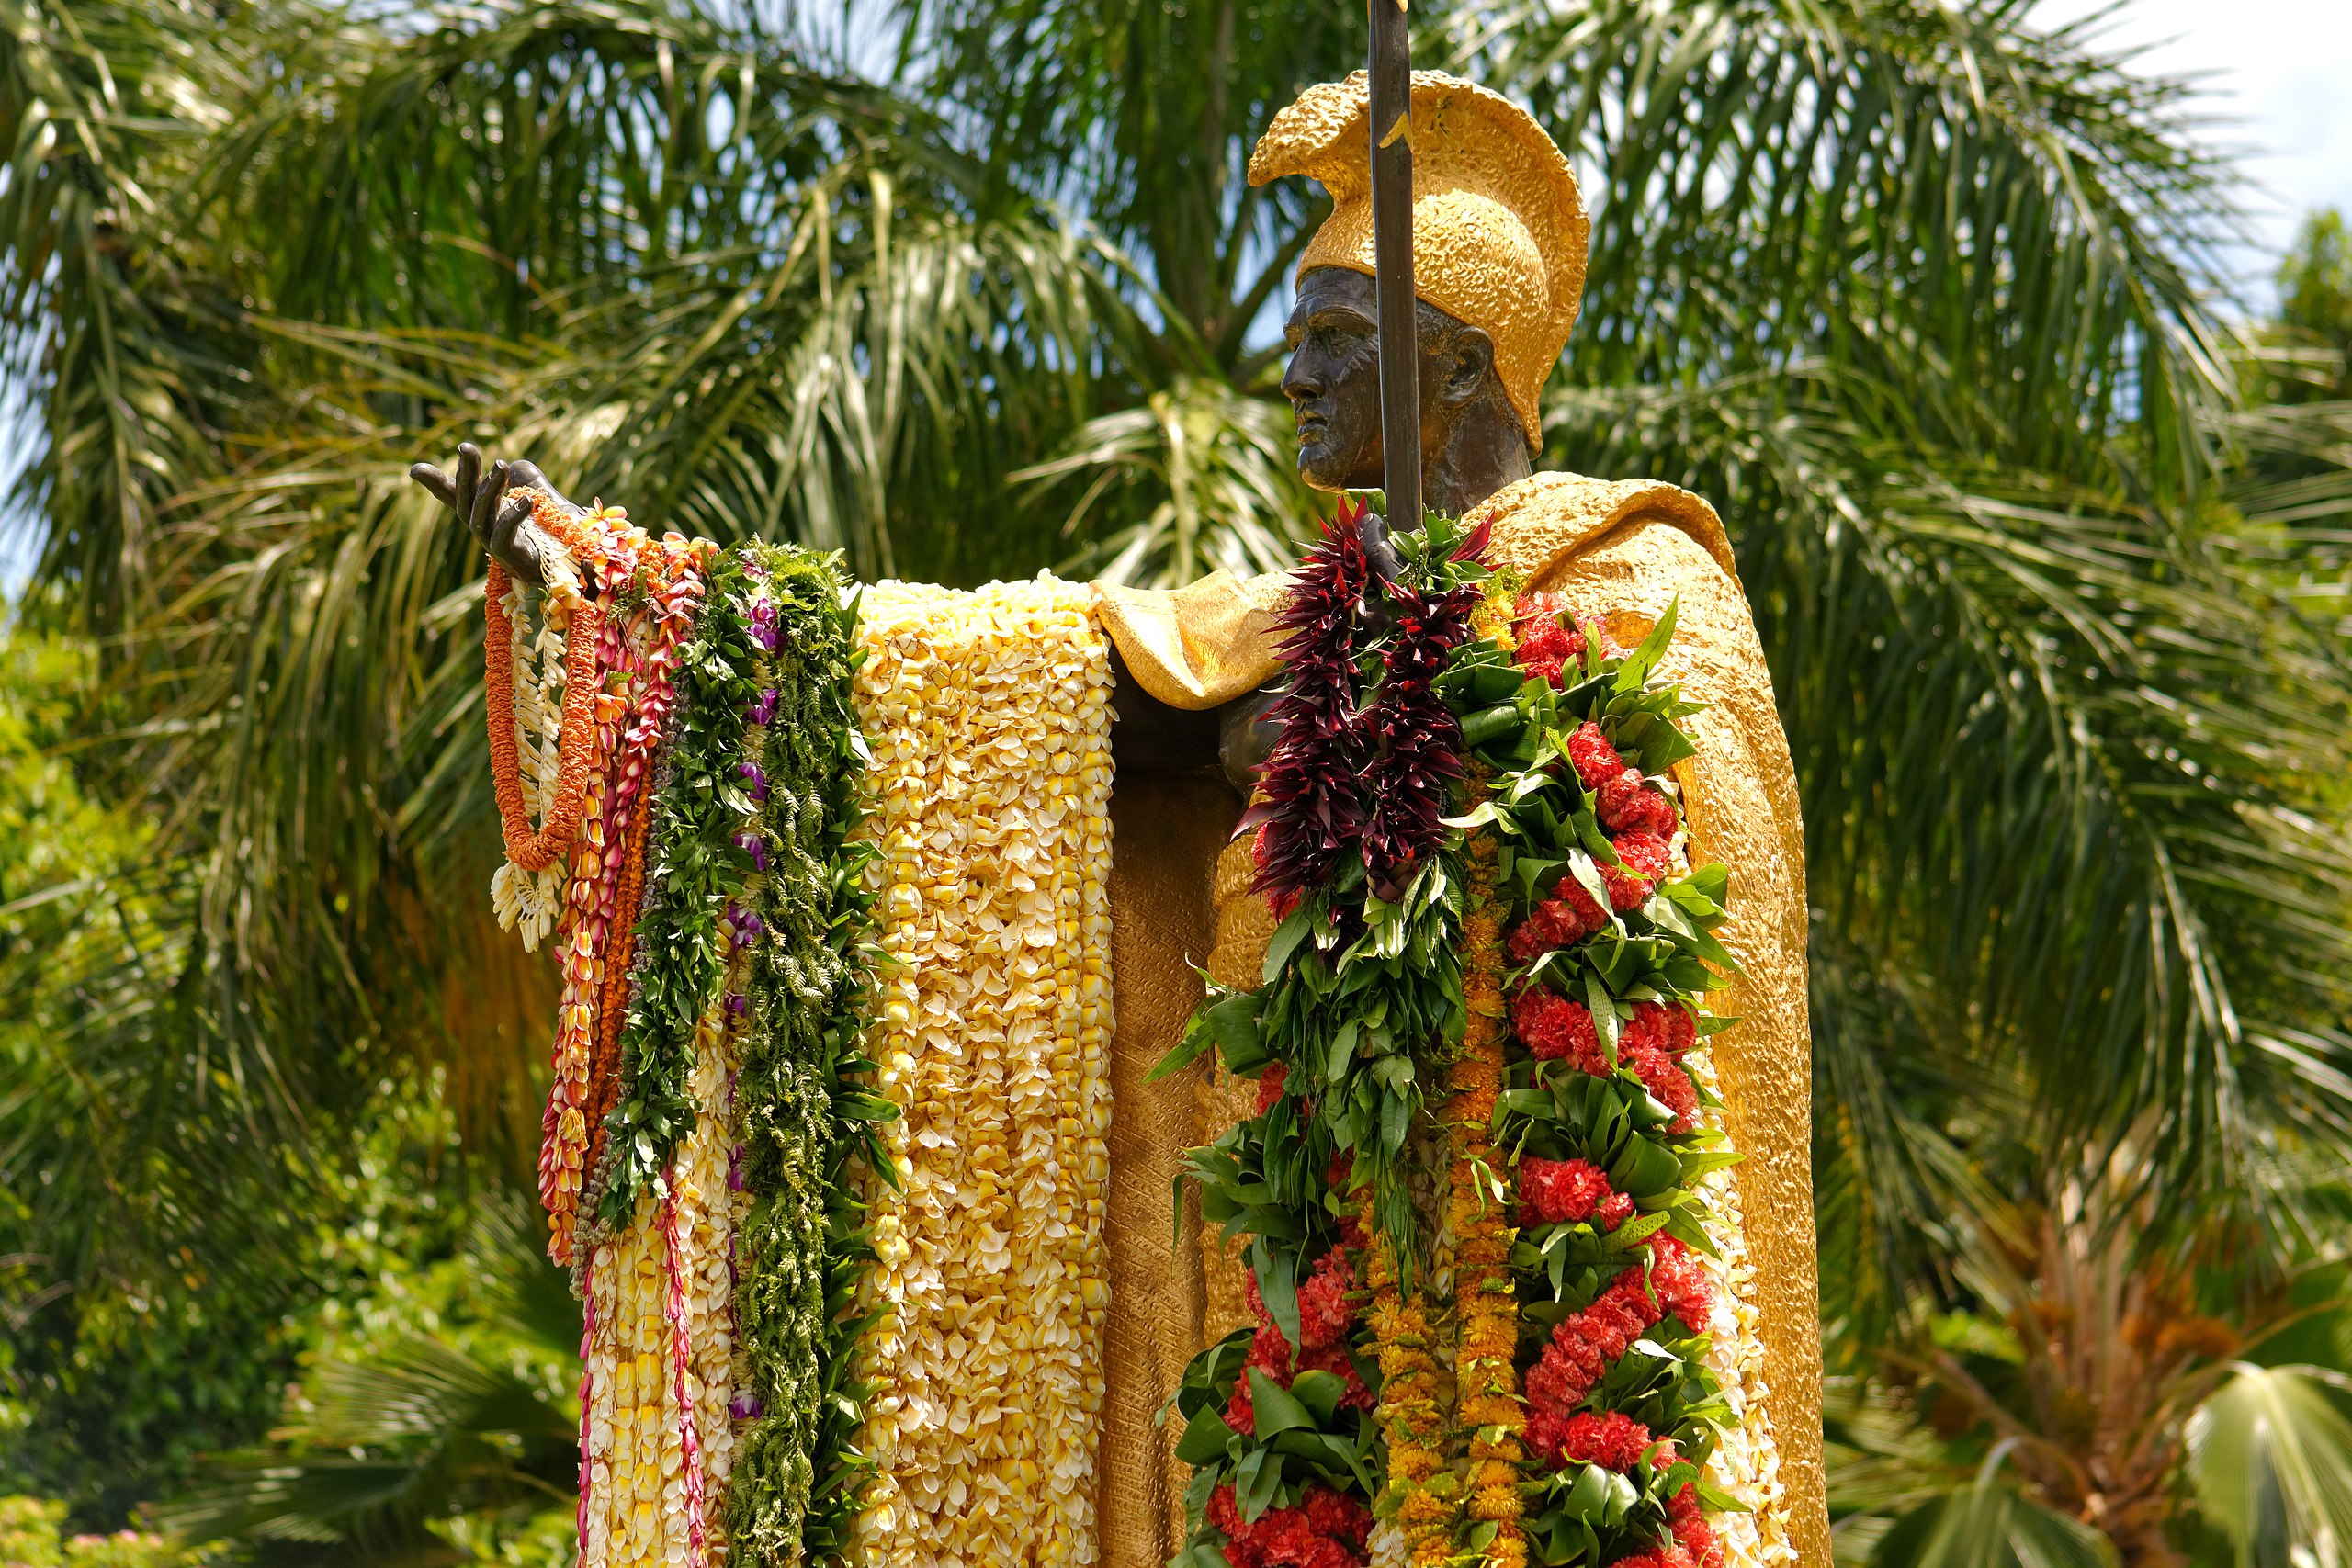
<point x="1326" y="1316"/>
<point x="1327" y="1530"/>
<point x="1694" y="1544"/>
<point x="1588" y="1343"/>
<point x="1418" y="739"/>
<point x="1315" y="804"/>
<point x="1553" y="1190"/>
<point x="1340" y="778"/>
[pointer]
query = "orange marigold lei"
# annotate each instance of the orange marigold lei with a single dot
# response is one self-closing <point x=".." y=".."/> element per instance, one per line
<point x="589" y="903"/>
<point x="1486" y="1301"/>
<point x="1422" y="1496"/>
<point x="605" y="757"/>
<point x="537" y="849"/>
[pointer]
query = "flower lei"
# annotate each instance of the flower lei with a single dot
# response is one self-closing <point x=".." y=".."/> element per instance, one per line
<point x="1363" y="990"/>
<point x="1486" y="1293"/>
<point x="989" y="719"/>
<point x="1603" y="1112"/>
<point x="604" y="750"/>
<point x="1576" y="1170"/>
<point x="1363" y="975"/>
<point x="530" y="902"/>
<point x="668" y="583"/>
<point x="708" y="1080"/>
<point x="534" y="850"/>
<point x="806" y="1111"/>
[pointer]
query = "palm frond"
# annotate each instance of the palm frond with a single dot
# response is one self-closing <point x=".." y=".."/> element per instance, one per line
<point x="2270" y="1459"/>
<point x="1214" y="466"/>
<point x="1988" y="1523"/>
<point x="419" y="1431"/>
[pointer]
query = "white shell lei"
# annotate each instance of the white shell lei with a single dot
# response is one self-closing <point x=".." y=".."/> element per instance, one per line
<point x="1747" y="1461"/>
<point x="989" y="715"/>
<point x="528" y="902"/>
<point x="658" y="1361"/>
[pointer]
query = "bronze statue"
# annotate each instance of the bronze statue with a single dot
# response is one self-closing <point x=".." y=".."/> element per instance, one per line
<point x="1498" y="237"/>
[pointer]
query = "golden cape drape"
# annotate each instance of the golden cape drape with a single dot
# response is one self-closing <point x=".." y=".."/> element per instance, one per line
<point x="1623" y="551"/>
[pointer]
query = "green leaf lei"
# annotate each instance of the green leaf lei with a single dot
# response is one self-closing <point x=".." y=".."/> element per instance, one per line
<point x="754" y="799"/>
<point x="691" y="867"/>
<point x="1361" y="1003"/>
<point x="806" y="1111"/>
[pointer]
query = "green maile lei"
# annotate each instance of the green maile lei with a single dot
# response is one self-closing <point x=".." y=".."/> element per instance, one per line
<point x="806" y="1114"/>
<point x="1361" y="998"/>
<point x="1665" y="952"/>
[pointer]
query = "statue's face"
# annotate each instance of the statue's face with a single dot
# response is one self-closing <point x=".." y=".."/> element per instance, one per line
<point x="1334" y="381"/>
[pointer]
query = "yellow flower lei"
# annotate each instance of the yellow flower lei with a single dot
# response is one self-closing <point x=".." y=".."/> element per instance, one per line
<point x="1485" y="1303"/>
<point x="1422" y="1497"/>
<point x="989" y="716"/>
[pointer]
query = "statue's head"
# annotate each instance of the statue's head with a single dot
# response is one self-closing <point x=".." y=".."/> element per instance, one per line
<point x="1499" y="256"/>
<point x="1333" y="379"/>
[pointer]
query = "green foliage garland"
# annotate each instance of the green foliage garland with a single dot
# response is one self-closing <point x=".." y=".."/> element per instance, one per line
<point x="1360" y="1006"/>
<point x="692" y="867"/>
<point x="804" y="1112"/>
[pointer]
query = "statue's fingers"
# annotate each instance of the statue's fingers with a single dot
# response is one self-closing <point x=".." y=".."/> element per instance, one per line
<point x="487" y="496"/>
<point x="436" y="483"/>
<point x="503" y="528"/>
<point x="524" y="474"/>
<point x="469" y="476"/>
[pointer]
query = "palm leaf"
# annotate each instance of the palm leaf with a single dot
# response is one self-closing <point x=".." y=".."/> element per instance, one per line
<point x="2270" y="1459"/>
<point x="1988" y="1524"/>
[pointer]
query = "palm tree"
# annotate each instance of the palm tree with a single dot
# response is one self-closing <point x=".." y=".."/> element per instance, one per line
<point x="1923" y="294"/>
<point x="2090" y="1409"/>
<point x="391" y="1451"/>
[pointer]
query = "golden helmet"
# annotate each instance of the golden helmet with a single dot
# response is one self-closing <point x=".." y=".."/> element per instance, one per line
<point x="1498" y="227"/>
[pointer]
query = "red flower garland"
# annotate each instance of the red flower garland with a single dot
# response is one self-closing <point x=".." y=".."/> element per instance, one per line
<point x="1326" y="1316"/>
<point x="1651" y="1044"/>
<point x="1549" y="635"/>
<point x="1326" y="1530"/>
<point x="1695" y="1545"/>
<point x="1613" y="1441"/>
<point x="1555" y="1190"/>
<point x="1586" y="1342"/>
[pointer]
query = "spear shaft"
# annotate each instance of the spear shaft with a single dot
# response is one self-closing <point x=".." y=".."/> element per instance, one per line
<point x="1392" y="251"/>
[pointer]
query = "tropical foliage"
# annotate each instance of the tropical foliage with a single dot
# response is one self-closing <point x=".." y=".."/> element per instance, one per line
<point x="2046" y="558"/>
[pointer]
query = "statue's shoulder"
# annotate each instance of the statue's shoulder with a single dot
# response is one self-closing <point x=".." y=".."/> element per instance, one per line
<point x="1545" y="519"/>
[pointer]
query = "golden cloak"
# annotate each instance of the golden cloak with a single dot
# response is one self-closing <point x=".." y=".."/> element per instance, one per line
<point x="1623" y="551"/>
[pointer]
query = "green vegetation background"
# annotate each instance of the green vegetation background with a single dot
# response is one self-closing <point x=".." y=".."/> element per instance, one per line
<point x="2047" y="547"/>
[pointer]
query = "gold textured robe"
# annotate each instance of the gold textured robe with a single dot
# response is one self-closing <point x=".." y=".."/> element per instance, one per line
<point x="1623" y="551"/>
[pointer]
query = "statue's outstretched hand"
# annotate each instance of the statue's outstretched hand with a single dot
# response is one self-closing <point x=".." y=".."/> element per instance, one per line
<point x="494" y="517"/>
